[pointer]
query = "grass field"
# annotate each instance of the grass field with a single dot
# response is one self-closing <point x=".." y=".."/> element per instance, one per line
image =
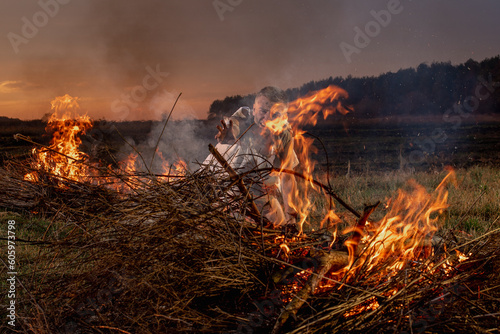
<point x="351" y="145"/>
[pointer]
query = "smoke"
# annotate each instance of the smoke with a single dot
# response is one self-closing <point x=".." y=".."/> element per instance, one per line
<point x="163" y="102"/>
<point x="128" y="37"/>
<point x="179" y="142"/>
<point x="171" y="141"/>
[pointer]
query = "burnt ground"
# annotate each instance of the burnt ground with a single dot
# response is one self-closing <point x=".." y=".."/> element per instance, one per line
<point x="365" y="145"/>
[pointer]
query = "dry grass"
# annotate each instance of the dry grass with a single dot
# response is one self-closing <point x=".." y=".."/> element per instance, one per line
<point x="474" y="200"/>
<point x="182" y="257"/>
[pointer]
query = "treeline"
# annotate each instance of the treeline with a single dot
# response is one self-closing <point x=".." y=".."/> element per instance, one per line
<point x="422" y="91"/>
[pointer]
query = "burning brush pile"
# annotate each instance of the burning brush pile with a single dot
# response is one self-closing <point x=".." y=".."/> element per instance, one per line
<point x="124" y="251"/>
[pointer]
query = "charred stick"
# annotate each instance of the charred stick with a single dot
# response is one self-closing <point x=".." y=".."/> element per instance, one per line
<point x="254" y="211"/>
<point x="353" y="242"/>
<point x="360" y="226"/>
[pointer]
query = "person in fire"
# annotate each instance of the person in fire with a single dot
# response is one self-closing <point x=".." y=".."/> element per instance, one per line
<point x="260" y="138"/>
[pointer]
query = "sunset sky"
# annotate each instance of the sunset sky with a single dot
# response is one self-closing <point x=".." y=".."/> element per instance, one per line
<point x="130" y="59"/>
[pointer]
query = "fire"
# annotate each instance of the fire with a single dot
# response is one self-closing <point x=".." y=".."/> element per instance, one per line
<point x="461" y="256"/>
<point x="369" y="305"/>
<point x="179" y="168"/>
<point x="404" y="233"/>
<point x="129" y="163"/>
<point x="399" y="240"/>
<point x="305" y="110"/>
<point x="301" y="112"/>
<point x="63" y="157"/>
<point x="63" y="151"/>
<point x="286" y="250"/>
<point x="134" y="172"/>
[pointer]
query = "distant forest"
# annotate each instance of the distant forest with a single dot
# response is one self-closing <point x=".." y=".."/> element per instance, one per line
<point x="423" y="91"/>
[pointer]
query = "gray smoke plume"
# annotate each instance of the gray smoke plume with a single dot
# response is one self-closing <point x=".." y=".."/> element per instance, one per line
<point x="174" y="140"/>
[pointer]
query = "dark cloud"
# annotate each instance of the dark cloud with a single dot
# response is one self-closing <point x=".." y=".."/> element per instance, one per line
<point x="100" y="49"/>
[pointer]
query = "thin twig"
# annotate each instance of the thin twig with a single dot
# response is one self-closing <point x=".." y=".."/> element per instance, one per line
<point x="161" y="134"/>
<point x="310" y="179"/>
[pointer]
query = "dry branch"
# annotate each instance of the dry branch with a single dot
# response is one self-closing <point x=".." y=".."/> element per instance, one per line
<point x="326" y="188"/>
<point x="360" y="226"/>
<point x="254" y="211"/>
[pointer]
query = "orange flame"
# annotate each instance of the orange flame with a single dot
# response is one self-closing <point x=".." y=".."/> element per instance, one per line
<point x="66" y="125"/>
<point x="412" y="216"/>
<point x="369" y="305"/>
<point x="129" y="165"/>
<point x="405" y="232"/>
<point x="179" y="168"/>
<point x="301" y="112"/>
<point x="305" y="110"/>
<point x="63" y="157"/>
<point x="403" y="235"/>
<point x="398" y="240"/>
